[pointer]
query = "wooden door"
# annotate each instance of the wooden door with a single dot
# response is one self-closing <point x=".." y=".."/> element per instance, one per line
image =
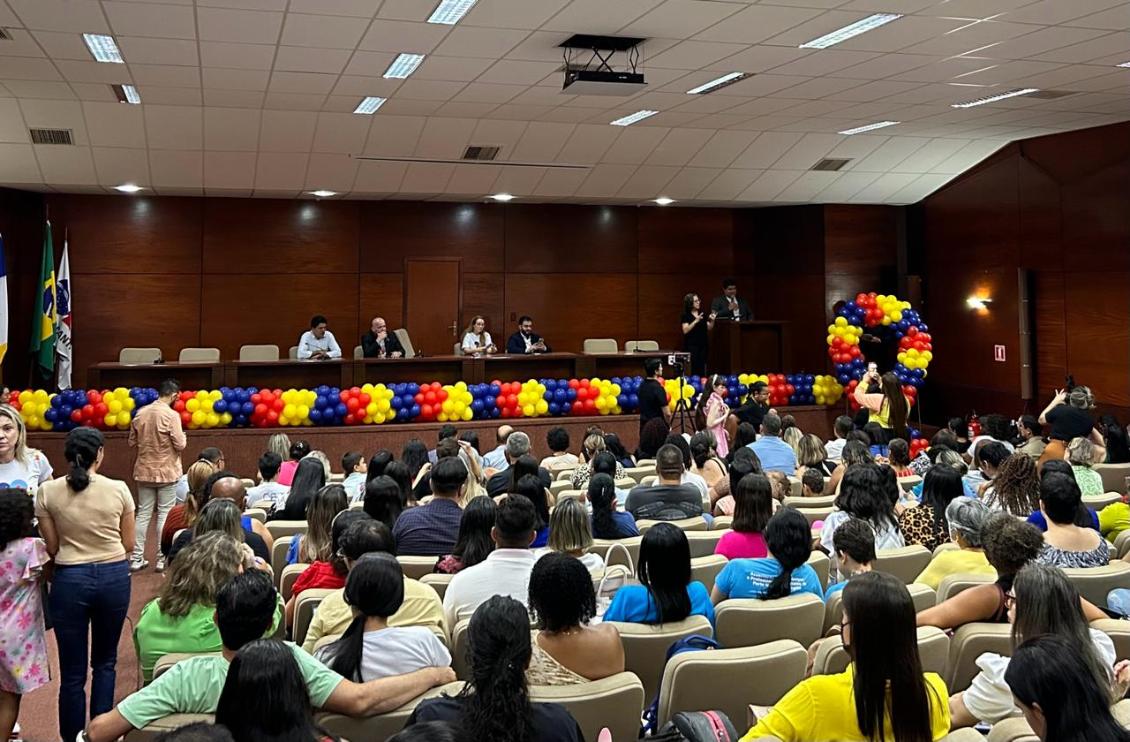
<point x="432" y="299"/>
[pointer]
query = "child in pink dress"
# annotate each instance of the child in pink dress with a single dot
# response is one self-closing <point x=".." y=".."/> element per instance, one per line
<point x="23" y="649"/>
<point x="714" y="415"/>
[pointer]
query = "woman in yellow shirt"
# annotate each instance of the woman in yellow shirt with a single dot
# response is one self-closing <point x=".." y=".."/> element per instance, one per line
<point x="883" y="694"/>
<point x="966" y="518"/>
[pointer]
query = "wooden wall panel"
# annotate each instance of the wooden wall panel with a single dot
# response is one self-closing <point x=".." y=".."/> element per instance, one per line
<point x="661" y="303"/>
<point x="549" y="238"/>
<point x="275" y="235"/>
<point x="1039" y="218"/>
<point x="796" y="299"/>
<point x="1096" y="223"/>
<point x="859" y="239"/>
<point x="788" y="240"/>
<point x="567" y="308"/>
<point x="1050" y="333"/>
<point x="1098" y="332"/>
<point x="1074" y="155"/>
<point x="21" y="223"/>
<point x="484" y="293"/>
<point x="687" y="241"/>
<point x="381" y="295"/>
<point x="394" y="230"/>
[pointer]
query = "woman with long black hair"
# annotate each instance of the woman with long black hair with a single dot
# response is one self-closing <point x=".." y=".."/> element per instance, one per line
<point x="473" y="544"/>
<point x="607" y="522"/>
<point x="889" y="408"/>
<point x="665" y="592"/>
<point x="926" y="523"/>
<point x="495" y="704"/>
<point x="309" y="477"/>
<point x="782" y="573"/>
<point x="884" y="694"/>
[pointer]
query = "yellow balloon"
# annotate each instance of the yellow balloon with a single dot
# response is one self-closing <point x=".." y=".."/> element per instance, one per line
<point x="192" y="405"/>
<point x="290" y="411"/>
<point x="198" y="417"/>
<point x="542" y="407"/>
<point x="212" y="420"/>
<point x="528" y="410"/>
<point x="468" y="414"/>
<point x="303" y="412"/>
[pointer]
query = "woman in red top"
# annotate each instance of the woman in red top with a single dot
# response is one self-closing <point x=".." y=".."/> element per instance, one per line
<point x="326" y="574"/>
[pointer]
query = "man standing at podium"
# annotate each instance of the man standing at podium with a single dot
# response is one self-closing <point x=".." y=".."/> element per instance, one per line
<point x="728" y="306"/>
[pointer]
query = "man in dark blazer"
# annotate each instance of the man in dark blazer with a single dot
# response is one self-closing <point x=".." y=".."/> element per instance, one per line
<point x="728" y="305"/>
<point x="526" y="341"/>
<point x="378" y="342"/>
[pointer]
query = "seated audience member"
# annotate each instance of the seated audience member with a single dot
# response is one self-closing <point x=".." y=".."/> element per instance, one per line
<point x="221" y="515"/>
<point x="614" y="446"/>
<point x="447" y="430"/>
<point x="959" y="429"/>
<point x="1084" y="517"/>
<point x="184" y="515"/>
<point x="706" y="463"/>
<point x="855" y="452"/>
<point x="496" y="457"/>
<point x="753" y="506"/>
<point x="861" y="497"/>
<point x="605" y="463"/>
<point x="811" y="454"/>
<point x="669" y="499"/>
<point x="840" y="429"/>
<point x="1043" y="601"/>
<point x="855" y="551"/>
<point x="1080" y="454"/>
<point x="363" y="535"/>
<point x="471" y="438"/>
<point x="791" y="434"/>
<point x="1030" y="433"/>
<point x="559" y="458"/>
<point x="505" y="571"/>
<point x="665" y="593"/>
<point x="355" y="468"/>
<point x="309" y="477"/>
<point x="745" y="462"/>
<point x="495" y="702"/>
<point x="652" y="436"/>
<point x="179" y="619"/>
<point x="570" y="532"/>
<point x="290" y="453"/>
<point x="329" y="573"/>
<point x="781" y="485"/>
<point x="966" y="519"/>
<point x="1067" y="544"/>
<point x="447" y="448"/>
<point x="378" y="342"/>
<point x="689" y="476"/>
<point x="517" y="446"/>
<point x="265" y="696"/>
<point x="988" y="459"/>
<point x="268" y="489"/>
<point x="414" y="455"/>
<point x="318" y="343"/>
<point x="1059" y="695"/>
<point x="774" y="453"/>
<point x="926" y="523"/>
<point x="883" y="694"/>
<point x="1068" y="417"/>
<point x="607" y="522"/>
<point x="898" y="457"/>
<point x="526" y="341"/>
<point x="213" y="456"/>
<point x="993" y="428"/>
<point x="370" y="648"/>
<point x="431" y="530"/>
<point x="1015" y="488"/>
<point x="245" y="608"/>
<point x="781" y="574"/>
<point x="745" y="435"/>
<point x="812" y="484"/>
<point x="383" y="500"/>
<point x="592" y="447"/>
<point x="566" y="648"/>
<point x="314" y="545"/>
<point x="530" y="488"/>
<point x="943" y="439"/>
<point x="473" y="544"/>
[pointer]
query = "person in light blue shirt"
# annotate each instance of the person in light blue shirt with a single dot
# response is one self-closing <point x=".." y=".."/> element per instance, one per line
<point x="784" y="572"/>
<point x="496" y="457"/>
<point x="854" y="543"/>
<point x="775" y="454"/>
<point x="667" y="593"/>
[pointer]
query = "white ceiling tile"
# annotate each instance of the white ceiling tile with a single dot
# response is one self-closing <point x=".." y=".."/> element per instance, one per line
<point x="342" y="133"/>
<point x="910" y="32"/>
<point x="26" y="68"/>
<point x="287" y="131"/>
<point x="689" y="181"/>
<point x="114" y="125"/>
<point x="355" y="8"/>
<point x="588" y="143"/>
<point x="807" y="152"/>
<point x="518" y="180"/>
<point x="723" y="148"/>
<point x="301" y="82"/>
<point x="229" y="169"/>
<point x="294" y="101"/>
<point x="647" y="182"/>
<point x="66" y="165"/>
<point x="139" y="50"/>
<point x="691" y="55"/>
<point x="1042" y="42"/>
<point x="541" y="141"/>
<point x="116" y="165"/>
<point x="429" y="90"/>
<point x="241" y="26"/>
<point x="1051" y="12"/>
<point x="233" y="98"/>
<point x="12" y="127"/>
<point x="87" y="91"/>
<point x="78" y="16"/>
<point x="1117" y="44"/>
<point x="919" y="188"/>
<point x="379" y="177"/>
<point x="23" y="44"/>
<point x="681" y="18"/>
<point x="7" y="17"/>
<point x="605" y="180"/>
<point x="514" y="72"/>
<point x="559" y="182"/>
<point x="237" y="56"/>
<point x="231" y="130"/>
<point x="599" y="16"/>
<point x="165" y="74"/>
<point x="405" y="107"/>
<point x="452" y="69"/>
<point x="800" y="188"/>
<point x="729" y="184"/>
<point x="482" y="92"/>
<point x="333" y="172"/>
<point x="151" y="19"/>
<point x="37" y="89"/>
<point x="966" y="157"/>
<point x="405" y="10"/>
<point x="394" y="135"/>
<point x="403" y="36"/>
<point x="56" y="114"/>
<point x="847" y="185"/>
<point x="529" y="14"/>
<point x="306" y="59"/>
<point x="889" y="154"/>
<point x="473" y="180"/>
<point x="18" y="165"/>
<point x="174" y="127"/>
<point x="232" y="79"/>
<point x="468" y="41"/>
<point x="170" y="96"/>
<point x="756" y="23"/>
<point x="634" y="144"/>
<point x="1113" y="19"/>
<point x="444" y="138"/>
<point x="826" y="62"/>
<point x="679" y="147"/>
<point x="245" y="4"/>
<point x="766" y="149"/>
<point x="926" y="158"/>
<point x="325" y="31"/>
<point x="883" y="187"/>
<point x="280" y="170"/>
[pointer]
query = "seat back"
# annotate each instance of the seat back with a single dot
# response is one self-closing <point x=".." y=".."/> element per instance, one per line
<point x="138" y="355"/>
<point x="278" y="528"/>
<point x="199" y="355"/>
<point x="278" y="556"/>
<point x="417" y="566"/>
<point x="641" y="346"/>
<point x="968" y="643"/>
<point x="358" y="352"/>
<point x="560" y="486"/>
<point x="304" y="606"/>
<point x="259" y="514"/>
<point x="567" y="494"/>
<point x="909" y="483"/>
<point x="165" y="662"/>
<point x="951" y="585"/>
<point x="288" y="577"/>
<point x="730" y="679"/>
<point x="702" y="543"/>
<point x="820" y="562"/>
<point x="615" y="703"/>
<point x="722" y="522"/>
<point x="405" y="342"/>
<point x="815" y="515"/>
<point x="457" y="350"/>
<point x="1015" y="729"/>
<point x="746" y="623"/>
<point x="602" y="546"/>
<point x="437" y="581"/>
<point x="258" y="352"/>
<point x="945" y="546"/>
<point x="933" y="649"/>
<point x="646" y="645"/>
<point x="922" y="595"/>
<point x="905" y="563"/>
<point x="292" y="354"/>
<point x="637" y="473"/>
<point x="600" y="345"/>
<point x="460" y="663"/>
<point x="1098" y="502"/>
<point x="1113" y="475"/>
<point x="686" y="524"/>
<point x="1122" y="544"/>
<point x="705" y="569"/>
<point x="565" y="474"/>
<point x="1093" y="583"/>
<point x="1119" y="633"/>
<point x="649" y="480"/>
<point x="381" y="726"/>
<point x="822" y="501"/>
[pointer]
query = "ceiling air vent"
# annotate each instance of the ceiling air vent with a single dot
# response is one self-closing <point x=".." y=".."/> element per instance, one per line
<point x="830" y="165"/>
<point x="1050" y="94"/>
<point x="482" y="153"/>
<point x="5" y="35"/>
<point x="52" y="136"/>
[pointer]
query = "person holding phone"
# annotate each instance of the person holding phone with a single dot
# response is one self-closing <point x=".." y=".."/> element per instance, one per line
<point x="889" y="408"/>
<point x="696" y="327"/>
<point x="1069" y="415"/>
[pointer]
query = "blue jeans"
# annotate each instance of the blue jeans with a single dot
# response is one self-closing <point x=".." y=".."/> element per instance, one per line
<point x="86" y="598"/>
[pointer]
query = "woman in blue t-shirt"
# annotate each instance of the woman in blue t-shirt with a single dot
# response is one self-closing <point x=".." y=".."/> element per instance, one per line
<point x="667" y="593"/>
<point x="784" y="572"/>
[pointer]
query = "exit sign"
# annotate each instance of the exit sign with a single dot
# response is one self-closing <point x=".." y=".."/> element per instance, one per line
<point x="998" y="353"/>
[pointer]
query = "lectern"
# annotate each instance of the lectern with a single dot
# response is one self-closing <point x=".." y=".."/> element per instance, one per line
<point x="760" y="346"/>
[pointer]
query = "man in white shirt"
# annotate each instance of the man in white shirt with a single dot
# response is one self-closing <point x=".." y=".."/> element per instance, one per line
<point x="496" y="458"/>
<point x="505" y="572"/>
<point x="318" y="343"/>
<point x="268" y="489"/>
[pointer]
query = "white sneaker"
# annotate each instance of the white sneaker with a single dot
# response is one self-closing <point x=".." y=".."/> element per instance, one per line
<point x="137" y="565"/>
<point x="160" y="564"/>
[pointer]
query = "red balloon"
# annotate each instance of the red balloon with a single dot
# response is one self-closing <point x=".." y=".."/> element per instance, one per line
<point x="861" y="299"/>
<point x="573" y="383"/>
<point x="426" y="410"/>
<point x="272" y="417"/>
<point x="278" y="405"/>
<point x="436" y="386"/>
<point x="419" y="398"/>
<point x="350" y="420"/>
<point x="441" y="395"/>
<point x="353" y="404"/>
<point x="430" y="397"/>
<point x="582" y="394"/>
<point x="88" y="411"/>
<point x="590" y="405"/>
<point x="511" y="400"/>
<point x="505" y="412"/>
<point x="186" y="417"/>
<point x="584" y="383"/>
<point x="178" y="405"/>
<point x="260" y="409"/>
<point x="267" y="396"/>
<point x="76" y="416"/>
<point x="343" y="395"/>
<point x="256" y="398"/>
<point x="364" y="399"/>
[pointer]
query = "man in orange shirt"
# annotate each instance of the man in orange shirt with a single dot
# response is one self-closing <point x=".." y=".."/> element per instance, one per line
<point x="157" y="434"/>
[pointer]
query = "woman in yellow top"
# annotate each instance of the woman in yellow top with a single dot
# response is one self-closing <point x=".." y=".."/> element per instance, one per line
<point x="966" y="518"/>
<point x="888" y="408"/>
<point x="883" y="694"/>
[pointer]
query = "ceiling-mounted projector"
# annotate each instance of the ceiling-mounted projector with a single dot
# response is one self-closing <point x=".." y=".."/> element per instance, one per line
<point x="589" y="66"/>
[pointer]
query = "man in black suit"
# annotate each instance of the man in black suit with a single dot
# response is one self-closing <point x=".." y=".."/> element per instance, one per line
<point x="728" y="305"/>
<point x="526" y="341"/>
<point x="378" y="342"/>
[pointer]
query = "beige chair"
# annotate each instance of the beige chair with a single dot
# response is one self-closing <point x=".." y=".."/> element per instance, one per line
<point x="600" y="345"/>
<point x="258" y="514"/>
<point x="815" y="515"/>
<point x="922" y="595"/>
<point x="645" y="462"/>
<point x="1114" y="476"/>
<point x="933" y="649"/>
<point x="705" y="569"/>
<point x="278" y="556"/>
<point x="730" y="679"/>
<point x="602" y="546"/>
<point x="968" y="734"/>
<point x="199" y="355"/>
<point x="288" y="577"/>
<point x="637" y="473"/>
<point x="686" y="524"/>
<point x="820" y="562"/>
<point x="438" y="581"/>
<point x="279" y="528"/>
<point x="649" y="481"/>
<point x="703" y="542"/>
<point x="165" y="662"/>
<point x="1122" y="544"/>
<point x="560" y="486"/>
<point x="1015" y="729"/>
<point x="405" y="342"/>
<point x="967" y="644"/>
<point x="258" y="352"/>
<point x="905" y="563"/>
<point x="747" y="623"/>
<point x="1119" y="633"/>
<point x="615" y="702"/>
<point x="154" y="730"/>
<point x="563" y="495"/>
<point x="379" y="727"/>
<point x="1093" y="583"/>
<point x="625" y="484"/>
<point x="641" y="346"/>
<point x="358" y="352"/>
<point x="796" y="489"/>
<point x="565" y="474"/>
<point x="1098" y="502"/>
<point x="722" y="522"/>
<point x="304" y="606"/>
<point x="292" y="354"/>
<point x="417" y="566"/>
<point x="823" y="501"/>
<point x="646" y="645"/>
<point x="951" y="585"/>
<point x="459" y="659"/>
<point x="139" y="355"/>
<point x="909" y="483"/>
<point x="947" y="546"/>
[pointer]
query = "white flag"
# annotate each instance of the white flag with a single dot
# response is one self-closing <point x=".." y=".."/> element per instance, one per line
<point x="63" y="326"/>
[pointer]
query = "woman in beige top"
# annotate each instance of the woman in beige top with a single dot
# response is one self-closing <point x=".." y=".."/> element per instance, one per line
<point x="87" y="521"/>
<point x="566" y="649"/>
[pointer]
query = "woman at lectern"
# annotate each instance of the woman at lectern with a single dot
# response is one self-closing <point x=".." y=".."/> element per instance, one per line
<point x="696" y="325"/>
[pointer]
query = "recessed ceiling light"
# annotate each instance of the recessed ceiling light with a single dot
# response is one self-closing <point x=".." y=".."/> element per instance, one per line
<point x="403" y="66"/>
<point x="369" y="105"/>
<point x="870" y="23"/>
<point x="448" y="12"/>
<point x="132" y="96"/>
<point x="994" y="98"/>
<point x="128" y="188"/>
<point x="633" y="118"/>
<point x="103" y="48"/>
<point x="869" y="127"/>
<point x="323" y="193"/>
<point x="1124" y="64"/>
<point x="502" y="197"/>
<point x="721" y="82"/>
<point x="664" y="201"/>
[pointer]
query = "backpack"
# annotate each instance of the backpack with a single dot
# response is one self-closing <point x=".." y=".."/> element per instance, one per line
<point x="698" y="726"/>
<point x="693" y="643"/>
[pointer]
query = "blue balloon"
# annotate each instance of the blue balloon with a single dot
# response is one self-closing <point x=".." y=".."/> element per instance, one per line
<point x="633" y="400"/>
<point x="341" y="409"/>
<point x="315" y="415"/>
<point x="495" y="390"/>
<point x="554" y="408"/>
<point x="477" y="405"/>
<point x="488" y="402"/>
<point x="220" y="406"/>
<point x="247" y="409"/>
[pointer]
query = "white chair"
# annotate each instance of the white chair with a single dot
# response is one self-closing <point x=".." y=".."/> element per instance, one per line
<point x="358" y="352"/>
<point x="600" y="345"/>
<point x="292" y="354"/>
<point x="641" y="346"/>
<point x="199" y="355"/>
<point x="1114" y="476"/>
<point x="258" y="352"/>
<point x="646" y="645"/>
<point x="138" y="355"/>
<point x="1098" y="502"/>
<point x="405" y="342"/>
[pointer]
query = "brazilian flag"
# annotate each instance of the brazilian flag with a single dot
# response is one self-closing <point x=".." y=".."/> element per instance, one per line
<point x="43" y="327"/>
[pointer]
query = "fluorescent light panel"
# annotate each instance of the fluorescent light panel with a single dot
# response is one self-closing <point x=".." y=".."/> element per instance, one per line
<point x="128" y="188"/>
<point x="369" y="105"/>
<point x="103" y="48"/>
<point x="721" y="82"/>
<point x="403" y="66"/>
<point x="994" y="98"/>
<point x="449" y="12"/>
<point x="869" y="127"/>
<point x="870" y="23"/>
<point x="1124" y="64"/>
<point x="633" y="118"/>
<point x="132" y="96"/>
